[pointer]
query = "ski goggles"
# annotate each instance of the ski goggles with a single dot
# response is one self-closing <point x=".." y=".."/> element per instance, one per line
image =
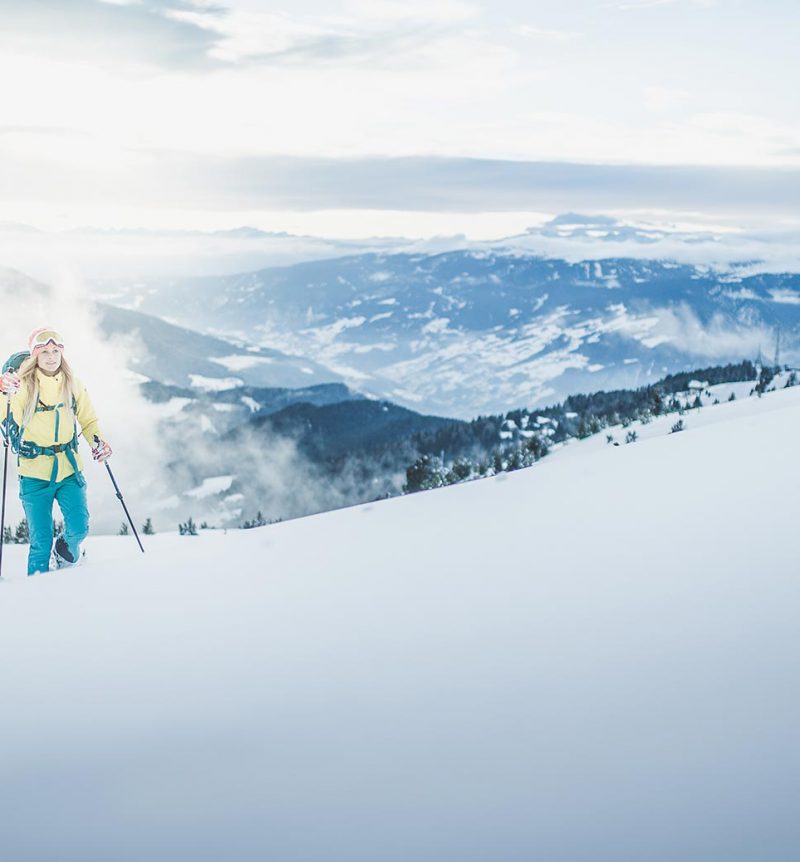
<point x="43" y="338"/>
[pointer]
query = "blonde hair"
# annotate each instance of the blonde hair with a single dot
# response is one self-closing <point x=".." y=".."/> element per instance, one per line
<point x="30" y="385"/>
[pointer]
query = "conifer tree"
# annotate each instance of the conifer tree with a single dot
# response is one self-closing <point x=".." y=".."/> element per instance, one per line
<point x="189" y="528"/>
<point x="423" y="474"/>
<point x="657" y="402"/>
<point x="22" y="535"/>
<point x="461" y="469"/>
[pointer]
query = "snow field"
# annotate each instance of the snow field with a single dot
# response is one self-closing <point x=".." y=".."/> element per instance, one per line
<point x="590" y="659"/>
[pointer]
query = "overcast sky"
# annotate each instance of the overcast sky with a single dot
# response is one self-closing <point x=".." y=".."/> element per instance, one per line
<point x="207" y="113"/>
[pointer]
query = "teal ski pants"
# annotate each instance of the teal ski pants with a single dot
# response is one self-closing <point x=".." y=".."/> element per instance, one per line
<point x="37" y="497"/>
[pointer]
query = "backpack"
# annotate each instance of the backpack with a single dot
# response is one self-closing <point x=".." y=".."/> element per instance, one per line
<point x="14" y="362"/>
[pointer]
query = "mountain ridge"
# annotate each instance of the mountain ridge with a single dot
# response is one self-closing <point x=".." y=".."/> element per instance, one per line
<point x="463" y="333"/>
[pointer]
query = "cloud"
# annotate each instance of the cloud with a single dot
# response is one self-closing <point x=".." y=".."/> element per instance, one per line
<point x="632" y="5"/>
<point x="242" y="76"/>
<point x="158" y="457"/>
<point x="43" y="130"/>
<point x="718" y="339"/>
<point x="665" y="98"/>
<point x="127" y="420"/>
<point x="378" y="32"/>
<point x="546" y="35"/>
<point x="354" y="46"/>
<point x="109" y="33"/>
<point x="192" y="35"/>
<point x="415" y="182"/>
<point x="639" y="4"/>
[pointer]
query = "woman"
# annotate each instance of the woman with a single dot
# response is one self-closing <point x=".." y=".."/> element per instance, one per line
<point x="47" y="405"/>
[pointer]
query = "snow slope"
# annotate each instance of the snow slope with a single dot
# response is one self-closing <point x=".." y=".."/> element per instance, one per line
<point x="592" y="659"/>
<point x="709" y="414"/>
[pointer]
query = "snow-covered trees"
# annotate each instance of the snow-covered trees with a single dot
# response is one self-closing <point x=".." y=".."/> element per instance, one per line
<point x="425" y="473"/>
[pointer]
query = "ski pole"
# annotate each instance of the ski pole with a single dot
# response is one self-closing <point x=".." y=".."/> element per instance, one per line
<point x="119" y="496"/>
<point x="5" y="473"/>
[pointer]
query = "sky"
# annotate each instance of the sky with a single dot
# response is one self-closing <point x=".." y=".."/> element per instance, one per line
<point x="362" y="116"/>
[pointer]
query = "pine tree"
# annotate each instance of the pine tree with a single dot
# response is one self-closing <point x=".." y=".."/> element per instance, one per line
<point x="764" y="379"/>
<point x="123" y="530"/>
<point x="656" y="402"/>
<point x="423" y="474"/>
<point x="8" y="536"/>
<point x="258" y="521"/>
<point x="461" y="470"/>
<point x="22" y="535"/>
<point x="514" y="460"/>
<point x="188" y="529"/>
<point x="147" y="528"/>
<point x="538" y="446"/>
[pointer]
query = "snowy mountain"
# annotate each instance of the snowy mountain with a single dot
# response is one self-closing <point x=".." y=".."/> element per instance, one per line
<point x="120" y="258"/>
<point x="154" y="349"/>
<point x="592" y="658"/>
<point x="177" y="356"/>
<point x="465" y="332"/>
<point x="600" y="229"/>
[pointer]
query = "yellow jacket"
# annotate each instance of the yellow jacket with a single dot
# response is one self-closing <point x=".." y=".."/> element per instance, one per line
<point x="43" y="425"/>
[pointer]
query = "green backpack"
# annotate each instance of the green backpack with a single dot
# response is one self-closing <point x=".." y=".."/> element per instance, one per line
<point x="14" y="362"/>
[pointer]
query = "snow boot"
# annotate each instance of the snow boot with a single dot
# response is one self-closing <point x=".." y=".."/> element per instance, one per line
<point x="62" y="554"/>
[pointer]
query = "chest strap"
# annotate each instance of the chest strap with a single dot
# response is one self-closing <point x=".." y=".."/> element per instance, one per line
<point x="28" y="449"/>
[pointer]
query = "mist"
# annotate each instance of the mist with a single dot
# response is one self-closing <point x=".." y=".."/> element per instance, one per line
<point x="128" y="421"/>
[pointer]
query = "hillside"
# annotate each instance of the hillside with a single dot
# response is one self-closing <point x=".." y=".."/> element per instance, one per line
<point x="466" y="332"/>
<point x="589" y="659"/>
<point x="346" y="427"/>
<point x="177" y="356"/>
